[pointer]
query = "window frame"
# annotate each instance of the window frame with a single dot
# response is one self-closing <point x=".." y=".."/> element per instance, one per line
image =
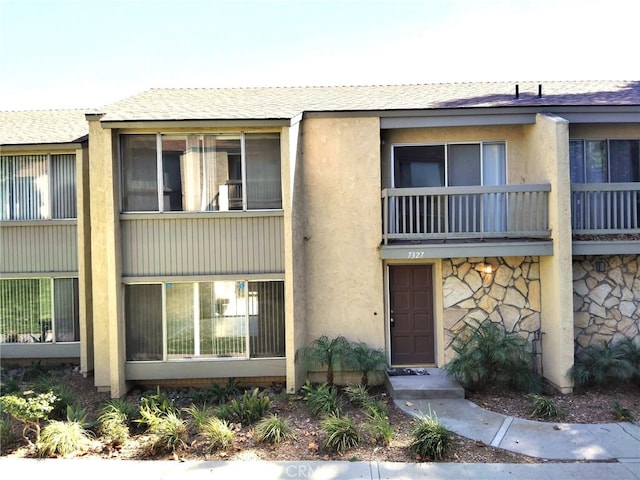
<point x="242" y="136"/>
<point x="165" y="357"/>
<point x="445" y="147"/>
<point x="607" y="143"/>
<point x="52" y="201"/>
<point x="54" y="321"/>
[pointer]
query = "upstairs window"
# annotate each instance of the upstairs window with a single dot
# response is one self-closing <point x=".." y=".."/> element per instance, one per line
<point x="604" y="161"/>
<point x="200" y="173"/>
<point x="37" y="187"/>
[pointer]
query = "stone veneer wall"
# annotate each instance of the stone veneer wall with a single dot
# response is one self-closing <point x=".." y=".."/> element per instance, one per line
<point x="606" y="304"/>
<point x="509" y="296"/>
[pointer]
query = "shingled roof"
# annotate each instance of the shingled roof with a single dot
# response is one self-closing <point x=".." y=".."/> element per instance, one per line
<point x="287" y="102"/>
<point x="42" y="126"/>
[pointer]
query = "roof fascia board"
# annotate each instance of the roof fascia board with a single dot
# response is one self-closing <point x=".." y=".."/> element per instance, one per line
<point x="164" y="124"/>
<point x="40" y="147"/>
<point x="457" y="120"/>
<point x="604" y="117"/>
<point x="489" y="249"/>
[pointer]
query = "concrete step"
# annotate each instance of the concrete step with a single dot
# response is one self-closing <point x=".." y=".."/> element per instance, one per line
<point x="435" y="384"/>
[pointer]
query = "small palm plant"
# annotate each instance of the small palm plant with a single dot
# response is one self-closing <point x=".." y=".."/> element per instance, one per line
<point x="599" y="364"/>
<point x="325" y="353"/>
<point x="366" y="359"/>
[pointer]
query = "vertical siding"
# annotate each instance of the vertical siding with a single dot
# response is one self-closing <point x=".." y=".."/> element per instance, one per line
<point x="157" y="246"/>
<point x="33" y="248"/>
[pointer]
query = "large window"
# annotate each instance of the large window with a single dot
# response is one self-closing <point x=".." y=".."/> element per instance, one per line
<point x="38" y="310"/>
<point x="604" y="161"/>
<point x="182" y="320"/>
<point x="37" y="187"/>
<point x="451" y="165"/>
<point x="200" y="173"/>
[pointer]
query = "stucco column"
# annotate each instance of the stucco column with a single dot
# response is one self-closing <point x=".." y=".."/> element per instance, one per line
<point x="84" y="261"/>
<point x="108" y="322"/>
<point x="550" y="141"/>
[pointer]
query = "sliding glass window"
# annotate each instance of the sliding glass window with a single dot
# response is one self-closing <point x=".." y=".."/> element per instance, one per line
<point x="201" y="173"/>
<point x="219" y="319"/>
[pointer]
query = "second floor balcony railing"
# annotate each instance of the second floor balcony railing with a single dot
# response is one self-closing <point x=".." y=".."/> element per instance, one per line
<point x="474" y="212"/>
<point x="605" y="208"/>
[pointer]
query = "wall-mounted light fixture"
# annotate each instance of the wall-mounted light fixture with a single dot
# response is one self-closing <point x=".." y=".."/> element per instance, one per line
<point x="487" y="268"/>
<point x="601" y="266"/>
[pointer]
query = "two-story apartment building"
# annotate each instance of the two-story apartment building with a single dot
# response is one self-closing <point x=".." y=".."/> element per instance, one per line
<point x="230" y="227"/>
<point x="45" y="302"/>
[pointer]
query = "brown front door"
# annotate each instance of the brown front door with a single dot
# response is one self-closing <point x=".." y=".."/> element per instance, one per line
<point x="411" y="305"/>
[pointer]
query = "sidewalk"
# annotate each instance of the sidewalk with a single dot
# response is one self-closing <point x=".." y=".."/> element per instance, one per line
<point x="59" y="469"/>
<point x="549" y="440"/>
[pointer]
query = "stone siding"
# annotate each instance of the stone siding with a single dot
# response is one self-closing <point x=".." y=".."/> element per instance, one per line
<point x="606" y="304"/>
<point x="510" y="295"/>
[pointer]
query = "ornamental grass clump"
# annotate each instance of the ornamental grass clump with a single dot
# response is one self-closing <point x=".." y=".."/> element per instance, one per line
<point x="322" y="399"/>
<point x="115" y="420"/>
<point x="218" y="433"/>
<point x="544" y="406"/>
<point x="430" y="439"/>
<point x="273" y="429"/>
<point x="340" y="433"/>
<point x="246" y="409"/>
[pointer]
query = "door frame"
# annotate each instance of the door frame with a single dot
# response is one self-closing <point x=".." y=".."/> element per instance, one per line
<point x="438" y="311"/>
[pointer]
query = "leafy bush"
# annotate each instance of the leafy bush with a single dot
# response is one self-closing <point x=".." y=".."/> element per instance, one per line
<point x="64" y="395"/>
<point x="601" y="364"/>
<point x="323" y="352"/>
<point x="544" y="407"/>
<point x="61" y="438"/>
<point x="5" y="431"/>
<point x="216" y="394"/>
<point x="200" y="414"/>
<point x="29" y="409"/>
<point x="430" y="439"/>
<point x="246" y="409"/>
<point x="159" y="402"/>
<point x="365" y="359"/>
<point x="322" y="399"/>
<point x="358" y="394"/>
<point x="487" y="356"/>
<point x="341" y="433"/>
<point x="273" y="429"/>
<point x="217" y="432"/>
<point x="379" y="428"/>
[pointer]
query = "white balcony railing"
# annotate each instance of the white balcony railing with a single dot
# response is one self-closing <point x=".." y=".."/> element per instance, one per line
<point x="500" y="211"/>
<point x="605" y="208"/>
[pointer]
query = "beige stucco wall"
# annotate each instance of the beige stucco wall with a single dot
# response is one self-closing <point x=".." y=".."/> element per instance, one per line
<point x="518" y="156"/>
<point x="548" y="141"/>
<point x="108" y="322"/>
<point x="600" y="131"/>
<point x="342" y="229"/>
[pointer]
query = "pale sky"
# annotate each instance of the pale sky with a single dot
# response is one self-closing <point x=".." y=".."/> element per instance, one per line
<point x="86" y="53"/>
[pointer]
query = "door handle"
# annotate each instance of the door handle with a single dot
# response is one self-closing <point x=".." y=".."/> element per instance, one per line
<point x="392" y="322"/>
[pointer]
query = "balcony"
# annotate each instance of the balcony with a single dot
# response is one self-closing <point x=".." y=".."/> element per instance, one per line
<point x="605" y="218"/>
<point x="485" y="216"/>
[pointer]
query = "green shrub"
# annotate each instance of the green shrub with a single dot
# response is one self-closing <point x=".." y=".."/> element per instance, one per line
<point x="199" y="414"/>
<point x="365" y="359"/>
<point x="621" y="413"/>
<point x="170" y="431"/>
<point x="273" y="429"/>
<point x="61" y="438"/>
<point x="487" y="356"/>
<point x="544" y="407"/>
<point x="246" y="409"/>
<point x="430" y="439"/>
<point x="358" y="394"/>
<point x="601" y="364"/>
<point x="159" y="402"/>
<point x="5" y="432"/>
<point x="115" y="419"/>
<point x="29" y="409"/>
<point x="379" y="428"/>
<point x="64" y="395"/>
<point x="323" y="352"/>
<point x="218" y="433"/>
<point x="216" y="394"/>
<point x="341" y="433"/>
<point x="322" y="399"/>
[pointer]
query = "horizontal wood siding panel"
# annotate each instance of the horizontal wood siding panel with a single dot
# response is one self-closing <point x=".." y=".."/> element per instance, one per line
<point x="159" y="246"/>
<point x="35" y="248"/>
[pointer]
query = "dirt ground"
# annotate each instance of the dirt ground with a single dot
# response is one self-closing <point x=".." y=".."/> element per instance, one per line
<point x="594" y="406"/>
